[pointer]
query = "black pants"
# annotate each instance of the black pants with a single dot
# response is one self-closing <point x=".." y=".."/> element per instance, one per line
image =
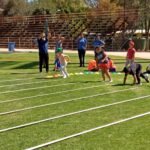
<point x="81" y="54"/>
<point x="140" y="74"/>
<point x="146" y="72"/>
<point x="43" y="59"/>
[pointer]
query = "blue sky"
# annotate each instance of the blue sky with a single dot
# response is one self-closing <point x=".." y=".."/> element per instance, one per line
<point x="30" y="0"/>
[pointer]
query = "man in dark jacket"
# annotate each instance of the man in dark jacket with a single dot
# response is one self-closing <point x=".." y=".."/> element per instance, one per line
<point x="136" y="73"/>
<point x="43" y="51"/>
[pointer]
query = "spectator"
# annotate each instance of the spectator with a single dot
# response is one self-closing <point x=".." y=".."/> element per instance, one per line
<point x="96" y="43"/>
<point x="43" y="51"/>
<point x="82" y="45"/>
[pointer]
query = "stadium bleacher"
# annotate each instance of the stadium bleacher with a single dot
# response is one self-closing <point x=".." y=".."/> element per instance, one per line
<point x="23" y="30"/>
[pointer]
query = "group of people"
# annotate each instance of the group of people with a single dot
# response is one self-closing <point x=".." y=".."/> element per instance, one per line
<point x="99" y="52"/>
<point x="133" y="68"/>
<point x="100" y="56"/>
<point x="60" y="59"/>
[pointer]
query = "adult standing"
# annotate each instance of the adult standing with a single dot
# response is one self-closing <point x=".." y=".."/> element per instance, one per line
<point x="43" y="51"/>
<point x="96" y="43"/>
<point x="82" y="45"/>
<point x="59" y="42"/>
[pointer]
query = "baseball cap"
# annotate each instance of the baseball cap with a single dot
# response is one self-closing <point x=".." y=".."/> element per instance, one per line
<point x="131" y="43"/>
<point x="59" y="50"/>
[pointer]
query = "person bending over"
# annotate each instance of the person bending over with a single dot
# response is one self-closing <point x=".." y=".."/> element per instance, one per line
<point x="136" y="74"/>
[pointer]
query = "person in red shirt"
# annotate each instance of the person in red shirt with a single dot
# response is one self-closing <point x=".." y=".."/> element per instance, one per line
<point x="130" y="55"/>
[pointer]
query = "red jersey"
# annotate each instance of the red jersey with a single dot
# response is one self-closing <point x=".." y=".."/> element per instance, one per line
<point x="131" y="53"/>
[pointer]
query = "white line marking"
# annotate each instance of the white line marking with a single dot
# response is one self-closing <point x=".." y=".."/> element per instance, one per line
<point x="17" y="79"/>
<point x="41" y="95"/>
<point x="35" y="88"/>
<point x="73" y="113"/>
<point x="26" y="83"/>
<point x="88" y="131"/>
<point x="60" y="102"/>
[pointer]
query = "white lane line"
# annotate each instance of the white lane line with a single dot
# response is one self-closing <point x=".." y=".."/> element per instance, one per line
<point x="2" y="86"/>
<point x="17" y="79"/>
<point x="42" y="87"/>
<point x="88" y="131"/>
<point x="60" y="102"/>
<point x="41" y="95"/>
<point x="72" y="113"/>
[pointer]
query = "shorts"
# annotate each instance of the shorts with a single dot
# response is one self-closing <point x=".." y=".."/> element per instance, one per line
<point x="129" y="62"/>
<point x="104" y="66"/>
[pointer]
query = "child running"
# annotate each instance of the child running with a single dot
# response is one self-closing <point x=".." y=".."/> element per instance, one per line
<point x="63" y="59"/>
<point x="102" y="62"/>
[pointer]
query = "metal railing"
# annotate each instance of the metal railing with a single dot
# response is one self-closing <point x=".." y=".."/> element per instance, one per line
<point x="106" y="23"/>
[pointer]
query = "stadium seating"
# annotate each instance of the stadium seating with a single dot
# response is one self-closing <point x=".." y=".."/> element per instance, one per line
<point x="24" y="30"/>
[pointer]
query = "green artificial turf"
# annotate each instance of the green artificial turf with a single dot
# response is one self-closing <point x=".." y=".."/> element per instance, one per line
<point x="22" y="86"/>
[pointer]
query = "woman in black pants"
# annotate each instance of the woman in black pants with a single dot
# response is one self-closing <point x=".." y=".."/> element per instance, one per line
<point x="82" y="45"/>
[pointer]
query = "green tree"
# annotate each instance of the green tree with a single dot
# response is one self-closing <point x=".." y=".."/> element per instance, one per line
<point x="144" y="13"/>
<point x="16" y="7"/>
<point x="66" y="6"/>
<point x="3" y="3"/>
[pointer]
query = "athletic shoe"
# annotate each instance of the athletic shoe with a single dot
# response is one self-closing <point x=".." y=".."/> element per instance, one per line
<point x="64" y="77"/>
<point x="111" y="81"/>
<point x="139" y="84"/>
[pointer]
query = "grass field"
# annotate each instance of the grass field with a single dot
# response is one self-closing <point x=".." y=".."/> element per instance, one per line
<point x="35" y="110"/>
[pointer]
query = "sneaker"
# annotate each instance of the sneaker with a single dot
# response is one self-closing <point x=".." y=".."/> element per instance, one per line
<point x="139" y="84"/>
<point x="103" y="81"/>
<point x="111" y="81"/>
<point x="64" y="77"/>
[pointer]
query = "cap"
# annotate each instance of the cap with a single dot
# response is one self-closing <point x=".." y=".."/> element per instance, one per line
<point x="131" y="43"/>
<point x="59" y="50"/>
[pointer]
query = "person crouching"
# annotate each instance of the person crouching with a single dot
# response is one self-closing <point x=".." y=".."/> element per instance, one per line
<point x="136" y="74"/>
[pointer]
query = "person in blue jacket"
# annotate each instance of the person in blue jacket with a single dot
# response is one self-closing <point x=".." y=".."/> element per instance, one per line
<point x="96" y="43"/>
<point x="82" y="45"/>
<point x="43" y="51"/>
